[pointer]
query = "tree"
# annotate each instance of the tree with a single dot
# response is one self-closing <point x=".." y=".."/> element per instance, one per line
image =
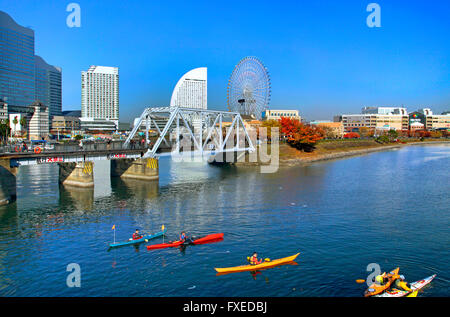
<point x="269" y="124"/>
<point x="15" y="121"/>
<point x="436" y="134"/>
<point x="23" y="123"/>
<point x="366" y="132"/>
<point x="351" y="135"/>
<point x="392" y="134"/>
<point x="4" y="129"/>
<point x="301" y="136"/>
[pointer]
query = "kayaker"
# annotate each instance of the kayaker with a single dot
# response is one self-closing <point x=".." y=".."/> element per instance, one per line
<point x="400" y="283"/>
<point x="380" y="279"/>
<point x="136" y="235"/>
<point x="254" y="259"/>
<point x="183" y="236"/>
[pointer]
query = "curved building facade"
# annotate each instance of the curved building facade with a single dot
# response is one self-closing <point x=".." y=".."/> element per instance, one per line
<point x="191" y="90"/>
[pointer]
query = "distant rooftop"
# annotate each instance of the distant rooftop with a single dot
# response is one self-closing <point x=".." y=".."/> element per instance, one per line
<point x="72" y="113"/>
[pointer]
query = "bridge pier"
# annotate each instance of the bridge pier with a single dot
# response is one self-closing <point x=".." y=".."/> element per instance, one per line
<point x="7" y="182"/>
<point x="143" y="169"/>
<point x="77" y="174"/>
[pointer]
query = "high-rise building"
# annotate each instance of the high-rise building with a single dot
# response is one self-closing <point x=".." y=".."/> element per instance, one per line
<point x="25" y="77"/>
<point x="100" y="94"/>
<point x="191" y="90"/>
<point x="17" y="85"/>
<point x="48" y="85"/>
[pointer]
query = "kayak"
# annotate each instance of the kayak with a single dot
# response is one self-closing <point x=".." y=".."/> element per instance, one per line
<point x="145" y="237"/>
<point x="413" y="294"/>
<point x="201" y="240"/>
<point x="208" y="239"/>
<point x="415" y="286"/>
<point x="376" y="289"/>
<point x="164" y="245"/>
<point x="264" y="265"/>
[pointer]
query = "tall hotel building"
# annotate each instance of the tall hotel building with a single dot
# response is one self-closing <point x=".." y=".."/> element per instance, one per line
<point x="100" y="94"/>
<point x="191" y="90"/>
<point x="25" y="77"/>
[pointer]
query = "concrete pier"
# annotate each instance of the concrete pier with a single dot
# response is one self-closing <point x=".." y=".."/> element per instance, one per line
<point x="142" y="169"/>
<point x="77" y="174"/>
<point x="7" y="182"/>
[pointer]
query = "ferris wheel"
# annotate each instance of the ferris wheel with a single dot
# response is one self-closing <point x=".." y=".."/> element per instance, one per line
<point x="248" y="89"/>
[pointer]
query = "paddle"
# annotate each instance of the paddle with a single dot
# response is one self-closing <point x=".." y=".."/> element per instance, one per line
<point x="360" y="281"/>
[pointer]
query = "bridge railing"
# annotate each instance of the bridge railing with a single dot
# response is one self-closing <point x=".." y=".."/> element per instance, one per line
<point x="71" y="147"/>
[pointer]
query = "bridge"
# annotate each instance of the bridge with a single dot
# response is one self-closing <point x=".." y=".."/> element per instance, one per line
<point x="193" y="132"/>
<point x="182" y="133"/>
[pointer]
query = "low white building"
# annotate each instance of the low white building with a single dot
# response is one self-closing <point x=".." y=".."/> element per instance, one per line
<point x="277" y="114"/>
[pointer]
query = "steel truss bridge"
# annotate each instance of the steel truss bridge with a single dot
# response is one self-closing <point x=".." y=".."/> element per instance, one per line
<point x="192" y="132"/>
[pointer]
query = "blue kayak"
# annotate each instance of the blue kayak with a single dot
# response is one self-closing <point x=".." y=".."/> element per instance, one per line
<point x="146" y="237"/>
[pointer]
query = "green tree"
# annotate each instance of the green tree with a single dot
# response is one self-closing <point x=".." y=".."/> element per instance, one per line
<point x="4" y="130"/>
<point x="15" y="122"/>
<point x="392" y="134"/>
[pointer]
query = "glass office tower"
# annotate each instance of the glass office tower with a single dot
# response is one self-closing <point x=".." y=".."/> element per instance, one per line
<point x="25" y="77"/>
<point x="17" y="83"/>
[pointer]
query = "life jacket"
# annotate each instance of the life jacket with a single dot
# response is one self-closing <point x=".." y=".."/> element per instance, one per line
<point x="254" y="260"/>
<point x="136" y="236"/>
<point x="182" y="237"/>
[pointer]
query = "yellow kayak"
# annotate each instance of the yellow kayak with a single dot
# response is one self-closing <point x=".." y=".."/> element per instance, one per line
<point x="264" y="265"/>
<point x="413" y="294"/>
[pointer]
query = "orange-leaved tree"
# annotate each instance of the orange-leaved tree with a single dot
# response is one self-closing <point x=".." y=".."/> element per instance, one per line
<point x="301" y="136"/>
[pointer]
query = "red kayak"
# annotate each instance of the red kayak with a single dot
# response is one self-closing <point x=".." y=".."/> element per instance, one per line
<point x="165" y="245"/>
<point x="209" y="238"/>
<point x="216" y="237"/>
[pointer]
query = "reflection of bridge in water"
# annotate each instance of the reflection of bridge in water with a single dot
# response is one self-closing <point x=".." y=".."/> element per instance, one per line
<point x="184" y="134"/>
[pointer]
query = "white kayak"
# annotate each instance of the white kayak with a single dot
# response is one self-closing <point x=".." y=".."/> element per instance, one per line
<point x="415" y="286"/>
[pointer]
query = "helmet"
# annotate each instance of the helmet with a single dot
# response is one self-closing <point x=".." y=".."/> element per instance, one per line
<point x="402" y="277"/>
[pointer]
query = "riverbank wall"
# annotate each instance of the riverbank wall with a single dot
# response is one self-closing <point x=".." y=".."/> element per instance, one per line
<point x="295" y="157"/>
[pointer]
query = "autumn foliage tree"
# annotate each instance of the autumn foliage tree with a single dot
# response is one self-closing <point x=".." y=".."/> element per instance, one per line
<point x="351" y="135"/>
<point x="301" y="136"/>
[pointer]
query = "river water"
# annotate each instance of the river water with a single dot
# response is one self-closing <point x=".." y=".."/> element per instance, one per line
<point x="390" y="208"/>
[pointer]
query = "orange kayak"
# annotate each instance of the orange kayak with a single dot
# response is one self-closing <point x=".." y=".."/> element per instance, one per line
<point x="376" y="289"/>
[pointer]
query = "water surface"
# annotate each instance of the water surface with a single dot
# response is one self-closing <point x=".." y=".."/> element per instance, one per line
<point x="390" y="208"/>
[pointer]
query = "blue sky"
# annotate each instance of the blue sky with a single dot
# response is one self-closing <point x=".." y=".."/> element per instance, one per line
<point x="322" y="57"/>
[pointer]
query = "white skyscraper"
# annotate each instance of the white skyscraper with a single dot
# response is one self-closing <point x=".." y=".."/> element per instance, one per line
<point x="100" y="94"/>
<point x="191" y="90"/>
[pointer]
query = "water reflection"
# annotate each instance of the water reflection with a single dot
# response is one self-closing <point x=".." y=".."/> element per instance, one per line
<point x="78" y="197"/>
<point x="140" y="189"/>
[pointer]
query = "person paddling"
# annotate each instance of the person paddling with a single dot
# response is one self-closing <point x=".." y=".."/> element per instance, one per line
<point x="380" y="280"/>
<point x="254" y="259"/>
<point x="136" y="235"/>
<point x="183" y="236"/>
<point x="400" y="283"/>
